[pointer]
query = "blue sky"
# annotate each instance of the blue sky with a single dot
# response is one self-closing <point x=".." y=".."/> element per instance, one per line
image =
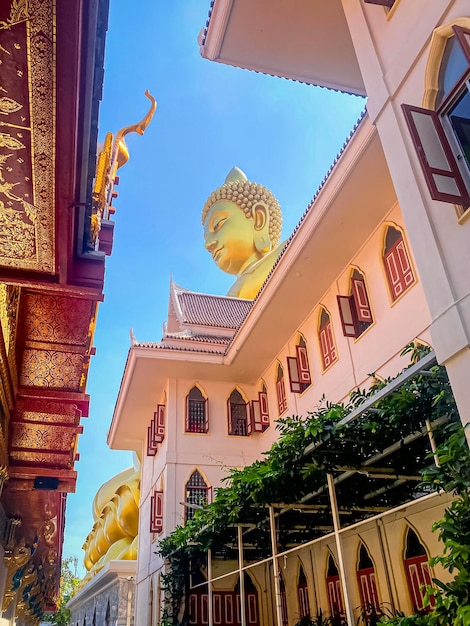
<point x="210" y="117"/>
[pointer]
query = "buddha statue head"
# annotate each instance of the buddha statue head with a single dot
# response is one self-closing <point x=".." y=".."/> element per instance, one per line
<point x="242" y="226"/>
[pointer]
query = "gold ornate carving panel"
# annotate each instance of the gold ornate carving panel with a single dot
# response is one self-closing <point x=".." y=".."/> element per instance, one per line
<point x="41" y="436"/>
<point x="52" y="369"/>
<point x="56" y="319"/>
<point x="27" y="134"/>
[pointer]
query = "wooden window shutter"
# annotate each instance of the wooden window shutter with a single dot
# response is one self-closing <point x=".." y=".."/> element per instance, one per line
<point x="156" y="512"/>
<point x="347" y="313"/>
<point x="151" y="447"/>
<point x="303" y="366"/>
<point x="463" y="37"/>
<point x="187" y="423"/>
<point x="159" y="418"/>
<point x="399" y="272"/>
<point x="294" y="374"/>
<point x="281" y="395"/>
<point x="229" y="417"/>
<point x="435" y="156"/>
<point x="206" y="415"/>
<point x="252" y="416"/>
<point x="327" y="345"/>
<point x="264" y="410"/>
<point x="256" y="419"/>
<point x="363" y="312"/>
<point x="384" y="3"/>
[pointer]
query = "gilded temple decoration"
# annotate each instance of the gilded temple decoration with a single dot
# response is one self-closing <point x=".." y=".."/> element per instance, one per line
<point x="27" y="151"/>
<point x="113" y="155"/>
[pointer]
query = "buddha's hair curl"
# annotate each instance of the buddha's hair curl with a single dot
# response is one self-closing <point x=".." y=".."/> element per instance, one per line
<point x="246" y="195"/>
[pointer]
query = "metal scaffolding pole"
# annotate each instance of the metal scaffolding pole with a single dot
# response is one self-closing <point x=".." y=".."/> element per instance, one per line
<point x="241" y="575"/>
<point x="277" y="584"/>
<point x="209" y="588"/>
<point x="339" y="547"/>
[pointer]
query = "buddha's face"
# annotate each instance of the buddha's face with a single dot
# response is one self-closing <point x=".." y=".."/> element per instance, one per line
<point x="229" y="236"/>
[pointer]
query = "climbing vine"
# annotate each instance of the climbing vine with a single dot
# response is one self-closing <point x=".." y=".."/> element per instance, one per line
<point x="296" y="465"/>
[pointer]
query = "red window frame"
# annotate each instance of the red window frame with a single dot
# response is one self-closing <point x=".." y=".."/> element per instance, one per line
<point x="159" y="427"/>
<point x="327" y="344"/>
<point x="418" y="573"/>
<point x="304" y="601"/>
<point x="335" y="594"/>
<point x="398" y="268"/>
<point x="259" y="414"/>
<point x="244" y="424"/>
<point x="156" y="512"/>
<point x="367" y="587"/>
<point x="440" y="169"/>
<point x="281" y="395"/>
<point x="197" y="427"/>
<point x="299" y="370"/>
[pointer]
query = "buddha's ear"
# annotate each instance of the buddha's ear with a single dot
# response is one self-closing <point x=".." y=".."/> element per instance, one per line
<point x="261" y="224"/>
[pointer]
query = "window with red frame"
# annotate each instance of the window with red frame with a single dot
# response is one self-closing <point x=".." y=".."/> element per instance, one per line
<point x="196" y="494"/>
<point x="281" y="390"/>
<point x="418" y="572"/>
<point x="354" y="310"/>
<point x="299" y="369"/>
<point x="237" y="410"/>
<point x="366" y="580"/>
<point x="442" y="136"/>
<point x="197" y="412"/>
<point x="156" y="430"/>
<point x="333" y="585"/>
<point x="259" y="418"/>
<point x="302" y="592"/>
<point x="327" y="342"/>
<point x="397" y="263"/>
<point x="156" y="512"/>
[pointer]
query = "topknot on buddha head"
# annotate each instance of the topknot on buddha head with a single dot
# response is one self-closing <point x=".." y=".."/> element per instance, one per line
<point x="247" y="195"/>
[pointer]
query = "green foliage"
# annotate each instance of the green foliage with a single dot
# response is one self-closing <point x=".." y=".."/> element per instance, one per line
<point x="452" y="474"/>
<point x="286" y="473"/>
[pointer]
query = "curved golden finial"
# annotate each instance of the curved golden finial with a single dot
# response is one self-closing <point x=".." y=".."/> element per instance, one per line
<point x="139" y="128"/>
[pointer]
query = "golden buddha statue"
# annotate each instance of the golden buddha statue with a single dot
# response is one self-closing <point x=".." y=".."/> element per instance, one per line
<point x="242" y="226"/>
<point x="116" y="515"/>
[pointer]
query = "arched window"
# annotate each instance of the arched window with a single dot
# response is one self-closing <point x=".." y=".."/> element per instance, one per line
<point x="302" y="592"/>
<point x="417" y="570"/>
<point x="397" y="263"/>
<point x="366" y="580"/>
<point x="259" y="420"/>
<point x="197" y="412"/>
<point x="355" y="311"/>
<point x="442" y="137"/>
<point x="237" y="414"/>
<point x="282" y="588"/>
<point x="298" y="368"/>
<point x="281" y="390"/>
<point x="333" y="583"/>
<point x="327" y="342"/>
<point x="251" y="601"/>
<point x="196" y="494"/>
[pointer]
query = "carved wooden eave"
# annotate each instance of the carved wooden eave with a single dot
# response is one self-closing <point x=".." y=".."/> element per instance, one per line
<point x="51" y="278"/>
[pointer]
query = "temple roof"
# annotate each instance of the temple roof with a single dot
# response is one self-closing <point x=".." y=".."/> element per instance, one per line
<point x="204" y="310"/>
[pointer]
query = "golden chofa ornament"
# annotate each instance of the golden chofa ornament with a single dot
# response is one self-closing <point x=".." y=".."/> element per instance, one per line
<point x="242" y="227"/>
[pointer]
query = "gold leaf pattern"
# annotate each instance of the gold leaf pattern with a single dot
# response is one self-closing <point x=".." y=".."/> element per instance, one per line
<point x="7" y="141"/>
<point x="52" y="369"/>
<point x="8" y="105"/>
